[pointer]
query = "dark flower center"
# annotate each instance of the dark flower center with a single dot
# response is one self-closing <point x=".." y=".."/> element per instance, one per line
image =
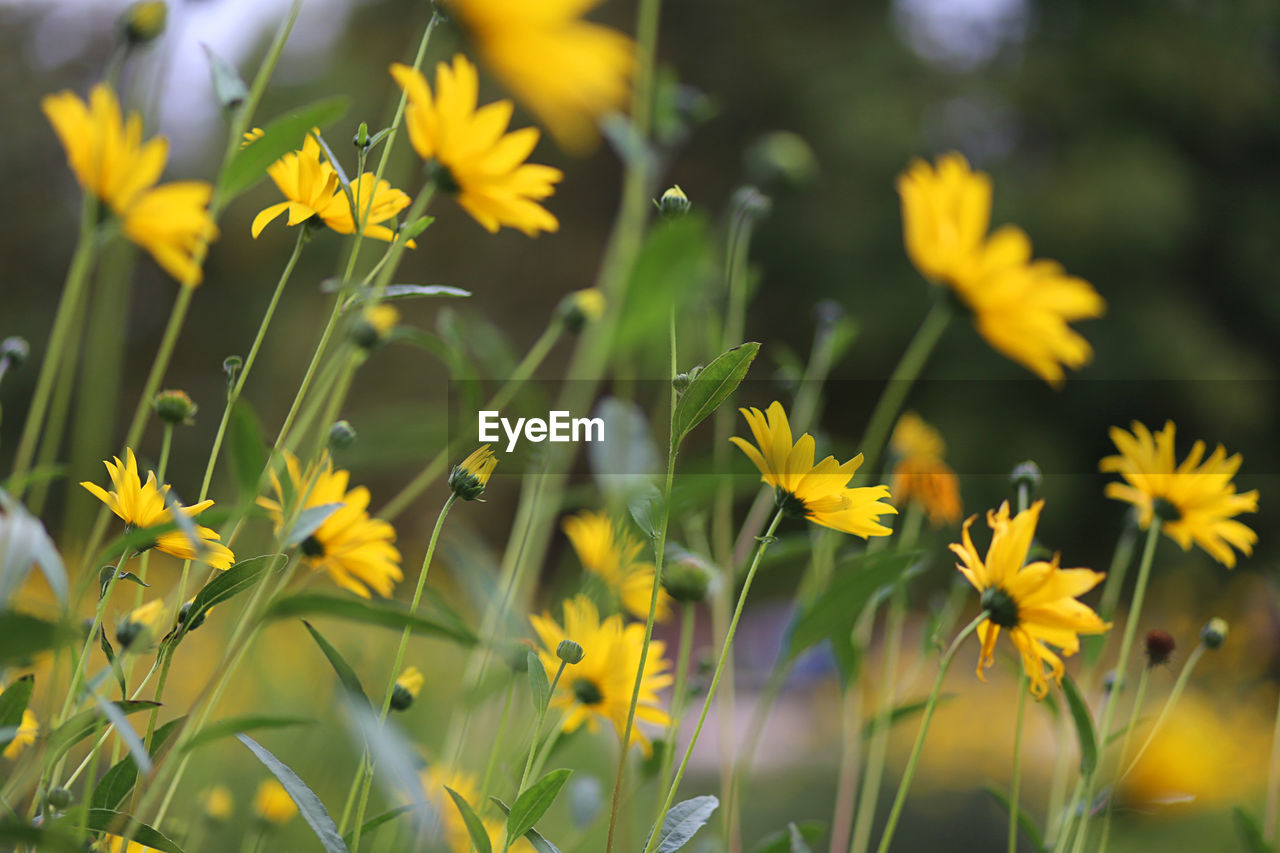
<point x="791" y="506"/>
<point x="1166" y="510"/>
<point x="1001" y="607"/>
<point x="443" y="178"/>
<point x="312" y="547"/>
<point x="587" y="691"/>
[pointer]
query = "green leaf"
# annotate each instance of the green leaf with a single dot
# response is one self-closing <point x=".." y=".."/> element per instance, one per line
<point x="413" y="229"/>
<point x="530" y="806"/>
<point x="711" y="388"/>
<point x="309" y="521"/>
<point x="407" y="291"/>
<point x="19" y="835"/>
<point x="22" y="636"/>
<point x="104" y="820"/>
<point x="227" y="84"/>
<point x="228" y="584"/>
<point x="346" y="674"/>
<point x="796" y="838"/>
<point x="683" y="822"/>
<point x="86" y="723"/>
<point x="27" y="544"/>
<point x="243" y="723"/>
<point x="137" y="751"/>
<point x="540" y="844"/>
<point x="117" y="782"/>
<point x="781" y="842"/>
<point x="1025" y="822"/>
<point x="475" y="826"/>
<point x="1250" y="833"/>
<point x="111" y="659"/>
<point x="378" y="820"/>
<point x="384" y="612"/>
<point x="538" y="684"/>
<point x="1084" y="726"/>
<point x="309" y="805"/>
<point x="247" y="445"/>
<point x="13" y="701"/>
<point x="284" y="134"/>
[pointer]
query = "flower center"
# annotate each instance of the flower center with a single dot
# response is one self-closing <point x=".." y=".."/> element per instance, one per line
<point x="1001" y="607"/>
<point x="790" y="505"/>
<point x="587" y="691"/>
<point x="443" y="178"/>
<point x="1166" y="510"/>
<point x="312" y="547"/>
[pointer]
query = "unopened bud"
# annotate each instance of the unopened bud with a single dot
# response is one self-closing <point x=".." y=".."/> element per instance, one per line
<point x="144" y="21"/>
<point x="14" y="351"/>
<point x="175" y="407"/>
<point x="59" y="798"/>
<point x="231" y="366"/>
<point x="1026" y="475"/>
<point x="686" y="581"/>
<point x="361" y="139"/>
<point x="1159" y="647"/>
<point x="581" y="307"/>
<point x="341" y="435"/>
<point x="673" y="204"/>
<point x="1214" y="634"/>
<point x="373" y="325"/>
<point x="569" y="652"/>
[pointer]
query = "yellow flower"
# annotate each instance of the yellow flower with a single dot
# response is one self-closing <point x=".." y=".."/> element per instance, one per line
<point x="141" y="625"/>
<point x="610" y="552"/>
<point x="920" y="474"/>
<point x="172" y="222"/>
<point x="567" y="71"/>
<point x="434" y="781"/>
<point x="1022" y="307"/>
<point x="819" y="492"/>
<point x="1035" y="602"/>
<point x="24" y="736"/>
<point x="469" y="477"/>
<point x="599" y="687"/>
<point x="116" y="844"/>
<point x="384" y="204"/>
<point x="357" y="551"/>
<point x="142" y="505"/>
<point x="471" y="152"/>
<point x="272" y="802"/>
<point x="406" y="689"/>
<point x="252" y="136"/>
<point x="217" y="802"/>
<point x="1196" y="500"/>
<point x="105" y="151"/>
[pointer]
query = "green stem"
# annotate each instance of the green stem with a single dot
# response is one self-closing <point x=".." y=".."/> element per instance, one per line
<point x="1174" y="695"/>
<point x="1015" y="787"/>
<point x="497" y="741"/>
<point x="725" y="652"/>
<point x="1138" y="698"/>
<point x="679" y="694"/>
<point x="905" y="785"/>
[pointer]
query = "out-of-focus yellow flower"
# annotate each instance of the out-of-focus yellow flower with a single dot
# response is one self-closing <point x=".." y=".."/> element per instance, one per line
<point x="145" y="20"/>
<point x="1022" y="307"/>
<point x="920" y="473"/>
<point x="472" y="154"/>
<point x="599" y="687"/>
<point x="1196" y="500"/>
<point x="470" y="476"/>
<point x="142" y="505"/>
<point x="116" y="844"/>
<point x="1035" y="602"/>
<point x="583" y="306"/>
<point x="610" y="552"/>
<point x="24" y="736"/>
<point x="406" y="689"/>
<point x="357" y="551"/>
<point x="141" y="625"/>
<point x="567" y="71"/>
<point x="172" y="223"/>
<point x="434" y="781"/>
<point x="217" y="803"/>
<point x="819" y="492"/>
<point x="272" y="802"/>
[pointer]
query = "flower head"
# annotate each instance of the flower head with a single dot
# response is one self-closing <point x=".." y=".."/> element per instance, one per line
<point x="567" y="71"/>
<point x="471" y="152"/>
<point x="607" y="550"/>
<point x="598" y="689"/>
<point x="217" y="803"/>
<point x="117" y="844"/>
<point x="142" y="505"/>
<point x="172" y="223"/>
<point x="1035" y="602"/>
<point x="1196" y="500"/>
<point x="406" y="689"/>
<point x="357" y="551"/>
<point x="1022" y="307"/>
<point x="272" y="802"/>
<point x="23" y="737"/>
<point x="920" y="475"/>
<point x="819" y="492"/>
<point x="470" y="476"/>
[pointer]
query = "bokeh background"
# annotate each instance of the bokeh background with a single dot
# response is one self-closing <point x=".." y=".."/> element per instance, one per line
<point x="1135" y="142"/>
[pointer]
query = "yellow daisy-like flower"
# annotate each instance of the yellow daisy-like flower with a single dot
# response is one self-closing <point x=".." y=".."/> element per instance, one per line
<point x="434" y="781"/>
<point x="1196" y="500"/>
<point x="472" y="154"/>
<point x="217" y="803"/>
<point x="1022" y="307"/>
<point x="819" y="492"/>
<point x="272" y="802"/>
<point x="172" y="223"/>
<point x="567" y="71"/>
<point x="598" y="688"/>
<point x="610" y="552"/>
<point x="24" y="736"/>
<point x="920" y="474"/>
<point x="117" y="844"/>
<point x="1035" y="602"/>
<point x="470" y="476"/>
<point x="357" y="551"/>
<point x="142" y="505"/>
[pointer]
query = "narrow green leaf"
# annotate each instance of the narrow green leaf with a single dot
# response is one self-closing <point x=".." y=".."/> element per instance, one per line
<point x="227" y="84"/>
<point x="796" y="837"/>
<point x="13" y="701"/>
<point x="711" y="388"/>
<point x="386" y="613"/>
<point x="530" y="806"/>
<point x="111" y="659"/>
<point x="228" y="584"/>
<point x="1083" y="721"/>
<point x="540" y="844"/>
<point x="87" y="723"/>
<point x="811" y="832"/>
<point x="1025" y="822"/>
<point x="309" y="805"/>
<point x="248" y="447"/>
<point x="1250" y="833"/>
<point x="378" y="820"/>
<point x="475" y="826"/>
<point x="137" y="751"/>
<point x="538" y="684"/>
<point x="22" y="636"/>
<point x="280" y="136"/>
<point x="309" y="521"/>
<point x="683" y="822"/>
<point x="243" y="723"/>
<point x="346" y="674"/>
<point x="103" y="820"/>
<point x="27" y="544"/>
<point x="117" y="782"/>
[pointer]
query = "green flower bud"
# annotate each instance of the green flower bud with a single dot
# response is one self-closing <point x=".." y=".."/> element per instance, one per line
<point x="144" y="21"/>
<point x="231" y="366"/>
<point x="14" y="351"/>
<point x="569" y="652"/>
<point x="59" y="799"/>
<point x="370" y="328"/>
<point x="341" y="435"/>
<point x="361" y="139"/>
<point x="469" y="477"/>
<point x="686" y="581"/>
<point x="680" y="382"/>
<point x="1214" y="634"/>
<point x="673" y="204"/>
<point x="185" y="610"/>
<point x="175" y="407"/>
<point x="581" y="307"/>
<point x="1026" y="475"/>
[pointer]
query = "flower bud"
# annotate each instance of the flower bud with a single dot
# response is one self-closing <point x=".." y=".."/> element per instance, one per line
<point x="673" y="204"/>
<point x="231" y="366"/>
<point x="469" y="477"/>
<point x="1026" y="475"/>
<point x="144" y="21"/>
<point x="185" y="610"/>
<point x="581" y="307"/>
<point x="781" y="158"/>
<point x="686" y="581"/>
<point x="569" y="652"/>
<point x="1159" y="647"/>
<point x="1214" y="634"/>
<point x="373" y="325"/>
<point x="361" y="139"/>
<point x="341" y="435"/>
<point x="14" y="351"/>
<point x="136" y="628"/>
<point x="406" y="689"/>
<point x="175" y="407"/>
<point x="59" y="798"/>
<point x="680" y="382"/>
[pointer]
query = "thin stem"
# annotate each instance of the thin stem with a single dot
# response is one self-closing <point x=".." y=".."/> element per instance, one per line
<point x="1138" y="698"/>
<point x="679" y="693"/>
<point x="1174" y="695"/>
<point x="1015" y="787"/>
<point x="905" y="785"/>
<point x="725" y="652"/>
<point x="497" y="741"/>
